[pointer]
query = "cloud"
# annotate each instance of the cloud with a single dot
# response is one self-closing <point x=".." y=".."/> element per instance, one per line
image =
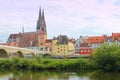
<point x="83" y="14"/>
<point x="70" y="17"/>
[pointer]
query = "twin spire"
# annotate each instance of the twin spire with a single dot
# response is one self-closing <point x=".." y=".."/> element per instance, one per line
<point x="41" y="24"/>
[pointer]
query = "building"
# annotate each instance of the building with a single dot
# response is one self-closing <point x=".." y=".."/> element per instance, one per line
<point x="62" y="46"/>
<point x="115" y="38"/>
<point x="85" y="48"/>
<point x="108" y="40"/>
<point x="87" y="44"/>
<point x="96" y="41"/>
<point x="82" y="46"/>
<point x="48" y="44"/>
<point x="33" y="40"/>
<point x="77" y="46"/>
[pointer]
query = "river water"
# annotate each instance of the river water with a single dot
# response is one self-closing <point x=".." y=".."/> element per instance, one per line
<point x="52" y="75"/>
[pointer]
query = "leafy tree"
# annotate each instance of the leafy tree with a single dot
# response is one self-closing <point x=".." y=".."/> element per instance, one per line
<point x="107" y="57"/>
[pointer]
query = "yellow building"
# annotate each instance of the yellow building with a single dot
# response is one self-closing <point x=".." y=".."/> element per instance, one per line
<point x="62" y="46"/>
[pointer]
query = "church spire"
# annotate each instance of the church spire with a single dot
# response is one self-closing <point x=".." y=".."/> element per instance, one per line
<point x="39" y="13"/>
<point x="39" y="20"/>
<point x="41" y="24"/>
<point x="43" y="21"/>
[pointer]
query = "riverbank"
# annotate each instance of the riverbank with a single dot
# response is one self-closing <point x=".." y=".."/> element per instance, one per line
<point x="46" y="64"/>
<point x="39" y="64"/>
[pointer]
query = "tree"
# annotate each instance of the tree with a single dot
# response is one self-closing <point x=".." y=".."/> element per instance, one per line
<point x="107" y="57"/>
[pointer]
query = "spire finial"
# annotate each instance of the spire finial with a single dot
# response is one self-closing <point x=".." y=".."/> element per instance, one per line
<point x="39" y="12"/>
<point x="43" y="14"/>
<point x="39" y="20"/>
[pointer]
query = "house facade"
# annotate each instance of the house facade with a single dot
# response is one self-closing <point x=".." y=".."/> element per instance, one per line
<point x="86" y="45"/>
<point x="61" y="45"/>
<point x="96" y="41"/>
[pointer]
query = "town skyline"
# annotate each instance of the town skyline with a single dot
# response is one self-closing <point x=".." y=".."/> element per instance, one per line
<point x="71" y="18"/>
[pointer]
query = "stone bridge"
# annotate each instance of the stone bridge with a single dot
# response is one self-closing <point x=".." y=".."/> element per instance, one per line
<point x="9" y="52"/>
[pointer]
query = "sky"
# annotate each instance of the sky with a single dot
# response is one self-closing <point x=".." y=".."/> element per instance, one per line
<point x="63" y="17"/>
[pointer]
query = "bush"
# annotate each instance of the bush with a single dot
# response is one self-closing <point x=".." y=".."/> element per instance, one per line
<point x="106" y="57"/>
<point x="38" y="58"/>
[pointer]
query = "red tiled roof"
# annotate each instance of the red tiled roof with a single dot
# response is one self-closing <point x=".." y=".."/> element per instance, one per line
<point x="13" y="36"/>
<point x="48" y="41"/>
<point x="116" y="34"/>
<point x="28" y="40"/>
<point x="96" y="39"/>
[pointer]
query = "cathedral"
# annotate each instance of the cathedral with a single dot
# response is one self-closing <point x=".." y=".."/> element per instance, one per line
<point x="34" y="39"/>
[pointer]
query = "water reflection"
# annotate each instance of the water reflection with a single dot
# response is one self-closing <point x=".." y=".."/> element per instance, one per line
<point x="49" y="75"/>
<point x="105" y="76"/>
<point x="43" y="75"/>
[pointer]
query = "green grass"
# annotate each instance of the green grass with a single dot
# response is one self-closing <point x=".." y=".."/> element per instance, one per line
<point x="45" y="64"/>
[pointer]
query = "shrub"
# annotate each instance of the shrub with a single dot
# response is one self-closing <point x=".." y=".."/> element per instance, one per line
<point x="106" y="57"/>
<point x="38" y="58"/>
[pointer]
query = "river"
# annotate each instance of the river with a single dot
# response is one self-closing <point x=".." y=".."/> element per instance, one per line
<point x="52" y="75"/>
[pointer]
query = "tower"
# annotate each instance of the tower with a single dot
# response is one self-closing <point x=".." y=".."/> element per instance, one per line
<point x="41" y="24"/>
<point x="41" y="28"/>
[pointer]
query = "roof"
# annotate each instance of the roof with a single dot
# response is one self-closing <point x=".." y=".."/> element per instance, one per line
<point x="62" y="39"/>
<point x="48" y="41"/>
<point x="13" y="36"/>
<point x="115" y="34"/>
<point x="28" y="40"/>
<point x="96" y="39"/>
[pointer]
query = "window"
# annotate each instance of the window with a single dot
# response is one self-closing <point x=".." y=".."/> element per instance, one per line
<point x="42" y="28"/>
<point x="88" y="50"/>
<point x="84" y="50"/>
<point x="81" y="50"/>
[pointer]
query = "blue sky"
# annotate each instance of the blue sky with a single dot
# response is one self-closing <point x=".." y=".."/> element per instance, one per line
<point x="67" y="17"/>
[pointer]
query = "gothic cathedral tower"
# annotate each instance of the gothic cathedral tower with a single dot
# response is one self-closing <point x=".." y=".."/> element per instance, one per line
<point x="41" y="28"/>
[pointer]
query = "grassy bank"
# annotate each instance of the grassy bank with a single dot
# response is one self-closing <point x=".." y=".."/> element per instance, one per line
<point x="46" y="64"/>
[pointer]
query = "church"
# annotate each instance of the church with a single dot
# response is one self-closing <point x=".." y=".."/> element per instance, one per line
<point x="33" y="40"/>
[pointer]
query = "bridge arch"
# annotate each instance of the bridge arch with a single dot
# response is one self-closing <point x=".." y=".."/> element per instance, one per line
<point x="16" y="54"/>
<point x="3" y="53"/>
<point x="20" y="54"/>
<point x="29" y="55"/>
<point x="47" y="55"/>
<point x="32" y="55"/>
